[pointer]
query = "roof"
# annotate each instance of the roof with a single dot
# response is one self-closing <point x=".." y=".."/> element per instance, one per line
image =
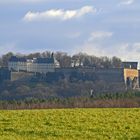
<point x="16" y="59"/>
<point x="49" y="60"/>
<point x="132" y="65"/>
<point x="129" y="62"/>
<point x="45" y="60"/>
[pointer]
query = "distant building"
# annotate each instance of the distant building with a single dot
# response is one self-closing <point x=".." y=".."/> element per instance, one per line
<point x="5" y="74"/>
<point x="76" y="63"/>
<point x="35" y="65"/>
<point x="17" y="64"/>
<point x="130" y="65"/>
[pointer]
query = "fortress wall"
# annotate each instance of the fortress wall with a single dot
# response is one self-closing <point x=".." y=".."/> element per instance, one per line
<point x="107" y="75"/>
<point x="20" y="76"/>
<point x="5" y="74"/>
<point x="110" y="75"/>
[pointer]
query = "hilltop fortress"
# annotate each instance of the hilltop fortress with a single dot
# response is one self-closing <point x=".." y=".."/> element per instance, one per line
<point x="49" y="69"/>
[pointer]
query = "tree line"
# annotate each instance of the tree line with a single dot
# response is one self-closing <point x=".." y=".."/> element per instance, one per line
<point x="65" y="59"/>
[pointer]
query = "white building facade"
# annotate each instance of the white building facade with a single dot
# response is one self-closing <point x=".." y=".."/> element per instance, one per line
<point x="37" y="65"/>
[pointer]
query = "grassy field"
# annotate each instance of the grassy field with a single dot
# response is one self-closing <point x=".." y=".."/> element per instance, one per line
<point x="100" y="124"/>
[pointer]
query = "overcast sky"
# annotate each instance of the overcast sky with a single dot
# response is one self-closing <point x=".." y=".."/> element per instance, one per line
<point x="96" y="27"/>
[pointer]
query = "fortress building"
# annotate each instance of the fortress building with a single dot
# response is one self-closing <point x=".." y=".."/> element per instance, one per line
<point x="35" y="65"/>
<point x="128" y="74"/>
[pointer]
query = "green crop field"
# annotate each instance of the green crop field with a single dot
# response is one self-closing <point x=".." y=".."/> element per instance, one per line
<point x="78" y="124"/>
